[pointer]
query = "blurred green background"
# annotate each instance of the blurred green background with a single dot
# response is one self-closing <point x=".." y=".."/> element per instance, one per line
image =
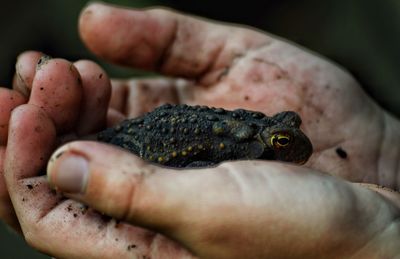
<point x="361" y="35"/>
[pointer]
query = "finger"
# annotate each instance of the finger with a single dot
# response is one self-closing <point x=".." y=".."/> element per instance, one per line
<point x="136" y="97"/>
<point x="57" y="89"/>
<point x="162" y="40"/>
<point x="31" y="140"/>
<point x="25" y="70"/>
<point x="96" y="95"/>
<point x="9" y="99"/>
<point x="7" y="213"/>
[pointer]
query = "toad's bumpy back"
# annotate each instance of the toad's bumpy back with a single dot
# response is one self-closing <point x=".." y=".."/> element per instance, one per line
<point x="198" y="136"/>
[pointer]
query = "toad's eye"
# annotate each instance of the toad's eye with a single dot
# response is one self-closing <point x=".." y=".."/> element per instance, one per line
<point x="280" y="140"/>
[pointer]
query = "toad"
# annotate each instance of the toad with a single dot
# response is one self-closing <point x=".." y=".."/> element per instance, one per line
<point x="184" y="136"/>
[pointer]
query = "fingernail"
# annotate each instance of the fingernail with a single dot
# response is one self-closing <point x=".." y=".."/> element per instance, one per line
<point x="69" y="173"/>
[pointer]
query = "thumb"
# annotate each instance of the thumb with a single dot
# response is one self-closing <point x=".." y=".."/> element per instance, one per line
<point x="120" y="184"/>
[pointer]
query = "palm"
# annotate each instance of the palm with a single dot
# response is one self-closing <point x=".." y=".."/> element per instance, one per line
<point x="331" y="103"/>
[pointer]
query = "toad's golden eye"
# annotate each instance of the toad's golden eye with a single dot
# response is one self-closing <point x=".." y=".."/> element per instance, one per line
<point x="280" y="140"/>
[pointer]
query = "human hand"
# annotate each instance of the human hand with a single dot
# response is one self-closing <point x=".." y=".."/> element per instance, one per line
<point x="36" y="88"/>
<point x="246" y="209"/>
<point x="64" y="101"/>
<point x="236" y="67"/>
<point x="284" y="91"/>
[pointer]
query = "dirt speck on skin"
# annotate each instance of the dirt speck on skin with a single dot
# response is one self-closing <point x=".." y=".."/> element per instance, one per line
<point x="130" y="247"/>
<point x="83" y="209"/>
<point x="388" y="189"/>
<point x="42" y="61"/>
<point x="53" y="192"/>
<point x="30" y="186"/>
<point x="341" y="153"/>
<point x="59" y="154"/>
<point x="69" y="208"/>
<point x="75" y="215"/>
<point x="105" y="218"/>
<point x="117" y="222"/>
<point x="88" y="12"/>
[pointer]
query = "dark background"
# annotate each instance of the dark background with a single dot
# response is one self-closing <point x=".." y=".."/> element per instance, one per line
<point x="361" y="35"/>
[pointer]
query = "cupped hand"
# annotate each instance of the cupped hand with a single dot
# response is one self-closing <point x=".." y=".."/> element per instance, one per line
<point x="246" y="209"/>
<point x="235" y="67"/>
<point x="64" y="101"/>
<point x="223" y="66"/>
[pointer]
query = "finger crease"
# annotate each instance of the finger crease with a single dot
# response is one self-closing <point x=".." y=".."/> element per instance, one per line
<point x="166" y="52"/>
<point x="129" y="210"/>
<point x="211" y="64"/>
<point x="231" y="64"/>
